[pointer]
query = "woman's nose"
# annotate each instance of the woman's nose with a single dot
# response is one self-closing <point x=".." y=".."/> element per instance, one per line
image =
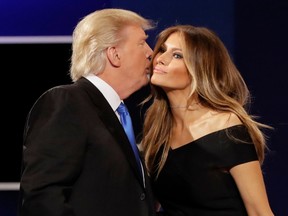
<point x="160" y="59"/>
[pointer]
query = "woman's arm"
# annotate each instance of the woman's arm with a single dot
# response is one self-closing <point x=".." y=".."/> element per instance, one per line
<point x="250" y="182"/>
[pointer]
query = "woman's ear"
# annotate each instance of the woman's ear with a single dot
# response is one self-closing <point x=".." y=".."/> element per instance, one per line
<point x="113" y="56"/>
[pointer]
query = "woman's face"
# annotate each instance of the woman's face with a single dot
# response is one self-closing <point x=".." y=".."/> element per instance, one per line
<point x="169" y="69"/>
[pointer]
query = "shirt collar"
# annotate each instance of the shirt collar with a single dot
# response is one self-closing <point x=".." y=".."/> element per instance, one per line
<point x="108" y="92"/>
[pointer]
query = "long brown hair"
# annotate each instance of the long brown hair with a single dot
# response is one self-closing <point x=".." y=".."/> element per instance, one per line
<point x="217" y="82"/>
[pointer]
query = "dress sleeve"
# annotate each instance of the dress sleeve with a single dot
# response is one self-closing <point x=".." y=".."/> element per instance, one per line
<point x="237" y="147"/>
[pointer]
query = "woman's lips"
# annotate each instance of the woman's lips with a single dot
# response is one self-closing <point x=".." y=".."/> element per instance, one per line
<point x="158" y="70"/>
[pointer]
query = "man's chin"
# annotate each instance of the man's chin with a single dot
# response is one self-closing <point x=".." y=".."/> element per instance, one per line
<point x="148" y="76"/>
<point x="144" y="82"/>
<point x="147" y="80"/>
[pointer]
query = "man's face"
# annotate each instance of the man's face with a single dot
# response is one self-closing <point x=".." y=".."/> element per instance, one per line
<point x="135" y="54"/>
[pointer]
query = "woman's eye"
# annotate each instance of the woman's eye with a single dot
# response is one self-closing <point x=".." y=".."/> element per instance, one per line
<point x="161" y="50"/>
<point x="177" y="56"/>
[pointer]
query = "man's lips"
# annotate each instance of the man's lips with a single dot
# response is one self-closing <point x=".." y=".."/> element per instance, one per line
<point x="148" y="74"/>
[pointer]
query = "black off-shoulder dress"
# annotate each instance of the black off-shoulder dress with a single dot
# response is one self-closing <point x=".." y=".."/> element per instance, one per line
<point x="195" y="180"/>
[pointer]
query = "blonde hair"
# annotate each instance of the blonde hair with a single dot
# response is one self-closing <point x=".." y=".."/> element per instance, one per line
<point x="216" y="81"/>
<point x="95" y="33"/>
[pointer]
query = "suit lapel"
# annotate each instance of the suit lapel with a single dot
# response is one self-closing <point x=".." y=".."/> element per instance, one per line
<point x="110" y="120"/>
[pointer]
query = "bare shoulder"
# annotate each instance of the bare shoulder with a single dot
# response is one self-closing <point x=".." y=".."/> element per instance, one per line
<point x="225" y="119"/>
<point x="232" y="119"/>
<point x="213" y="121"/>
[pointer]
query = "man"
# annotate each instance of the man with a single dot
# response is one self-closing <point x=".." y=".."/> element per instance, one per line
<point x="77" y="159"/>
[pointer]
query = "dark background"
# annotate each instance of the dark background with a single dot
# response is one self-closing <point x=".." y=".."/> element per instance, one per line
<point x="255" y="33"/>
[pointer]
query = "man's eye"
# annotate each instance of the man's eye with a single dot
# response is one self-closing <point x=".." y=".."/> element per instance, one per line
<point x="142" y="43"/>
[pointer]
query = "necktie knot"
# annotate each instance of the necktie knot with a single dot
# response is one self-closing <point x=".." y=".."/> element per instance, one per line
<point x="122" y="109"/>
<point x="123" y="113"/>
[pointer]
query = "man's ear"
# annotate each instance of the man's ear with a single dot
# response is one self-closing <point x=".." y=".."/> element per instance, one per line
<point x="113" y="56"/>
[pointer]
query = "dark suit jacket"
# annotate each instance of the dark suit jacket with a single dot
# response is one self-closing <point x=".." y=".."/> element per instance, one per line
<point x="77" y="159"/>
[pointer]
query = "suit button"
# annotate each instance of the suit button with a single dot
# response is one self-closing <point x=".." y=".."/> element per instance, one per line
<point x="142" y="196"/>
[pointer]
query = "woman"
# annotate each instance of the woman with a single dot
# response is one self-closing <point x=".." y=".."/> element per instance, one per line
<point x="202" y="148"/>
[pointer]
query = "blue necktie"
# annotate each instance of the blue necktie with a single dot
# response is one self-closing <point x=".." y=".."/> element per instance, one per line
<point x="128" y="127"/>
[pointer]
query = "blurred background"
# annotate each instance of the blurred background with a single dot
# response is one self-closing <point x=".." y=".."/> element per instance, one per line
<point x="35" y="49"/>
